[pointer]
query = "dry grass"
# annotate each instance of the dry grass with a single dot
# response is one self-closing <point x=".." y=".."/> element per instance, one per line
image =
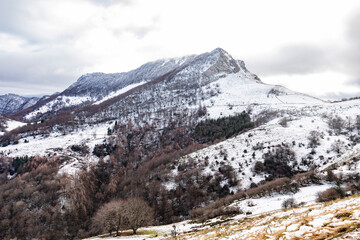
<point x="337" y="219"/>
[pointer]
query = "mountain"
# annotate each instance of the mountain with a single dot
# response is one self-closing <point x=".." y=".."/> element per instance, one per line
<point x="12" y="103"/>
<point x="183" y="78"/>
<point x="98" y="87"/>
<point x="198" y="136"/>
<point x="158" y="97"/>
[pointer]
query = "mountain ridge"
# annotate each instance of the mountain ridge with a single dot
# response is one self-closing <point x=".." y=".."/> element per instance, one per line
<point x="12" y="103"/>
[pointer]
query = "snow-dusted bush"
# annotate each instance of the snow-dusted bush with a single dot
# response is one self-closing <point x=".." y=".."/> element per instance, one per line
<point x="284" y="121"/>
<point x="338" y="146"/>
<point x="289" y="203"/>
<point x="277" y="163"/>
<point x="314" y="139"/>
<point x="336" y="123"/>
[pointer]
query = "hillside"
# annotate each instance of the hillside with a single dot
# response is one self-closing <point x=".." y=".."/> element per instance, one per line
<point x="12" y="103"/>
<point x="191" y="136"/>
<point x="332" y="220"/>
<point x="319" y="221"/>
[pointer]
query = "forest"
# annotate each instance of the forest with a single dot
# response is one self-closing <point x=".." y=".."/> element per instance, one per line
<point x="47" y="205"/>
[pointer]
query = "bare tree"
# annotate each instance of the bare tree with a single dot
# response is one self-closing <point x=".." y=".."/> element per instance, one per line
<point x="336" y="123"/>
<point x="357" y="122"/>
<point x="137" y="213"/>
<point x="109" y="217"/>
<point x="314" y="139"/>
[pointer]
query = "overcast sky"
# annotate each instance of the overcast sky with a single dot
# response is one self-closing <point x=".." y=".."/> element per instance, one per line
<point x="311" y="46"/>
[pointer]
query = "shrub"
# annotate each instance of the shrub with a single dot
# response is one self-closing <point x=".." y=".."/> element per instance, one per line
<point x="289" y="203"/>
<point x="213" y="210"/>
<point x="328" y="195"/>
<point x="80" y="148"/>
<point x="103" y="149"/>
<point x="259" y="167"/>
<point x="284" y="122"/>
<point x="336" y="123"/>
<point x="314" y="139"/>
<point x="277" y="162"/>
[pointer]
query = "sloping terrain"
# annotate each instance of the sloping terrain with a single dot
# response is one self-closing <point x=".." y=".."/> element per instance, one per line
<point x="11" y="103"/>
<point x="183" y="134"/>
<point x="213" y="82"/>
<point x="306" y="131"/>
<point x="97" y="87"/>
<point x="319" y="221"/>
<point x="338" y="219"/>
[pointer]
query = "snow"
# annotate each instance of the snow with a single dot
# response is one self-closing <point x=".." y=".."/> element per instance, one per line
<point x="238" y="92"/>
<point x="314" y="221"/>
<point x="304" y="118"/>
<point x="12" y="124"/>
<point x="59" y="143"/>
<point x="306" y="195"/>
<point x="232" y="93"/>
<point x="269" y="219"/>
<point x="58" y="103"/>
<point x="120" y="91"/>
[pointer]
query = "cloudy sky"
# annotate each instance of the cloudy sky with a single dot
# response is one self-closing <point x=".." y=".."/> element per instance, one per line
<point x="309" y="46"/>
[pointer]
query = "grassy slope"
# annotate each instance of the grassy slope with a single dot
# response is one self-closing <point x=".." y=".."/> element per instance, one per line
<point x="319" y="221"/>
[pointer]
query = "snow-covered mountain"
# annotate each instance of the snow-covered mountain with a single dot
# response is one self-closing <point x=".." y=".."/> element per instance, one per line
<point x="98" y="87"/>
<point x="192" y="80"/>
<point x="135" y="134"/>
<point x="161" y="94"/>
<point x="12" y="103"/>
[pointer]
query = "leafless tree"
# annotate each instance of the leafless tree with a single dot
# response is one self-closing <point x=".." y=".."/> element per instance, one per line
<point x="358" y="122"/>
<point x="137" y="213"/>
<point x="110" y="217"/>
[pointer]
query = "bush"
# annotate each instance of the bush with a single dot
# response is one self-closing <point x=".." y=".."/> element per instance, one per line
<point x="17" y="163"/>
<point x="104" y="149"/>
<point x="259" y="167"/>
<point x="328" y="195"/>
<point x="314" y="139"/>
<point x="289" y="203"/>
<point x="80" y="148"/>
<point x="284" y="122"/>
<point x="276" y="162"/>
<point x="336" y="123"/>
<point x="213" y="210"/>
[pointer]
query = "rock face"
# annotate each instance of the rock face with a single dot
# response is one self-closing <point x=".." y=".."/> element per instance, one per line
<point x="11" y="103"/>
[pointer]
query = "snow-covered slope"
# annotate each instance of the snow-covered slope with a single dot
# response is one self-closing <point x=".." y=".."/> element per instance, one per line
<point x="168" y="92"/>
<point x="314" y="221"/>
<point x="213" y="80"/>
<point x="318" y="221"/>
<point x="11" y="103"/>
<point x="302" y="122"/>
<point x="99" y="87"/>
<point x="210" y="78"/>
